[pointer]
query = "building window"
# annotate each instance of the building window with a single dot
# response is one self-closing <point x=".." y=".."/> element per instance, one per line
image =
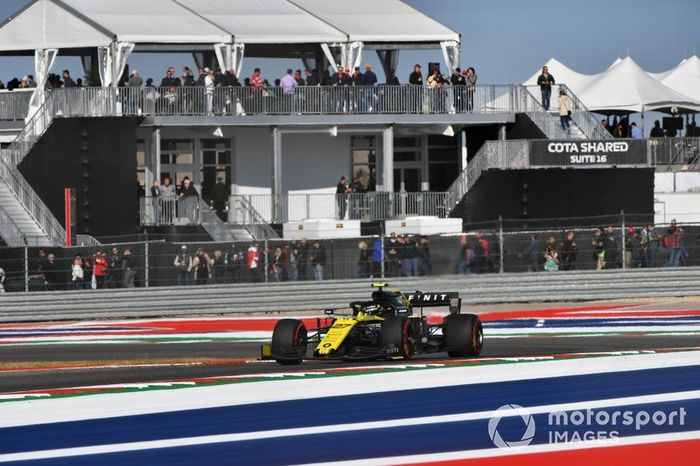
<point x="364" y="161"/>
<point x="177" y="160"/>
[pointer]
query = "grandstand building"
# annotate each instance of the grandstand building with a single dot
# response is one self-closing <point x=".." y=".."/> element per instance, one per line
<point x="471" y="153"/>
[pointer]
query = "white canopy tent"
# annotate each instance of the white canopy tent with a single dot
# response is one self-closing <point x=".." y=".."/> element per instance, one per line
<point x="685" y="78"/>
<point x="118" y="27"/>
<point x="660" y="76"/>
<point x="627" y="88"/>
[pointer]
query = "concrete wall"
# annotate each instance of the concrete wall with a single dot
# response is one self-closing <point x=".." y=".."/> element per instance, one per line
<point x="313" y="163"/>
<point x="684" y="207"/>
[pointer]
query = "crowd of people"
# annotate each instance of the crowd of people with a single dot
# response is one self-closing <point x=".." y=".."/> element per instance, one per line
<point x="643" y="247"/>
<point x="54" y="81"/>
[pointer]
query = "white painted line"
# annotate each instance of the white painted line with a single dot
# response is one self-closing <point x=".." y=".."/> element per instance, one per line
<point x="335" y="428"/>
<point x="30" y="412"/>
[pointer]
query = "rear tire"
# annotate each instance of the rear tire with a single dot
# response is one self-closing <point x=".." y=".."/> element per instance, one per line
<point x="464" y="335"/>
<point x="397" y="332"/>
<point x="289" y="339"/>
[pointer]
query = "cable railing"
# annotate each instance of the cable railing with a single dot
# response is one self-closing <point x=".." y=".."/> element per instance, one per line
<point x="32" y="203"/>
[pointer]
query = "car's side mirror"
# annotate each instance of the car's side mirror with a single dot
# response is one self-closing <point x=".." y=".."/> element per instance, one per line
<point x="329" y="312"/>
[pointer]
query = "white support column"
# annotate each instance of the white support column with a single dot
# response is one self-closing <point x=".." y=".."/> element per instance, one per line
<point x="502" y="132"/>
<point x="276" y="174"/>
<point x="152" y="158"/>
<point x="388" y="159"/>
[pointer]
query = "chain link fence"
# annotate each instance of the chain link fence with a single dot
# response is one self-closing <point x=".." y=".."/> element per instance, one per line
<point x="491" y="247"/>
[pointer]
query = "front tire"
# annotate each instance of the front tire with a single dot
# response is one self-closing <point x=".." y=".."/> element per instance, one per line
<point x="464" y="335"/>
<point x="289" y="339"/>
<point x="398" y="335"/>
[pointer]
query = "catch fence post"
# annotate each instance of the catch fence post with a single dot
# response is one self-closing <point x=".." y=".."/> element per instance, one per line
<point x="146" y="265"/>
<point x="500" y="244"/>
<point x="26" y="269"/>
<point x="624" y="237"/>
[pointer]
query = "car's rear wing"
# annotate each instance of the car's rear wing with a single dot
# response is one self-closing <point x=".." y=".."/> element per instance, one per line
<point x="450" y="299"/>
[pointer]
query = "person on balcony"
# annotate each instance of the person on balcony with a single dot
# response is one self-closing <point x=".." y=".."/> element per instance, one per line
<point x="209" y="90"/>
<point x="155" y="201"/>
<point x="545" y="81"/>
<point x="134" y="87"/>
<point x="67" y="80"/>
<point x="189" y="202"/>
<point x="635" y="131"/>
<point x="459" y="87"/>
<point x="219" y="198"/>
<point x="288" y="85"/>
<point x="169" y="85"/>
<point x="471" y="87"/>
<point x="416" y="79"/>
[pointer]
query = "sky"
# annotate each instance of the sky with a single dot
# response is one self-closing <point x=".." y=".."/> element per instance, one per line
<point x="505" y="40"/>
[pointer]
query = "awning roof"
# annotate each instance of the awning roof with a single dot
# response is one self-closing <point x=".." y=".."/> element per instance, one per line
<point x="265" y="21"/>
<point x="76" y="24"/>
<point x="626" y="87"/>
<point x="150" y="21"/>
<point x="685" y="78"/>
<point x="378" y="21"/>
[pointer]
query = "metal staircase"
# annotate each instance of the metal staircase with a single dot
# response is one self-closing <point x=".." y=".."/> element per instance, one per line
<point x="24" y="218"/>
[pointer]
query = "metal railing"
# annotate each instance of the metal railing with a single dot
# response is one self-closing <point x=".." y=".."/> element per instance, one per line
<point x="32" y="203"/>
<point x="373" y="206"/>
<point x="584" y="119"/>
<point x="502" y="155"/>
<point x="684" y="152"/>
<point x="304" y="100"/>
<point x="33" y="129"/>
<point x="244" y="213"/>
<point x="15" y="104"/>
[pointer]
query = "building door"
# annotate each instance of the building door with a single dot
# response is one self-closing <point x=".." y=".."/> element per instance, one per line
<point x="407" y="179"/>
<point x="177" y="161"/>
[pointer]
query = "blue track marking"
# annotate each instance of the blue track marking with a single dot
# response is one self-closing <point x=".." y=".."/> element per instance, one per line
<point x="386" y="442"/>
<point x="603" y="322"/>
<point x="346" y="409"/>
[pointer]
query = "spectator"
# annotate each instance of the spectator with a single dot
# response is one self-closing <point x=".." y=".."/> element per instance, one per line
<point x="564" y="110"/>
<point x="312" y="78"/>
<point x="619" y="131"/>
<point x="612" y="248"/>
<point x="605" y="126"/>
<point x="134" y="85"/>
<point x="278" y="270"/>
<point x="392" y="79"/>
<point x="288" y="85"/>
<point x="326" y="79"/>
<point x="100" y="270"/>
<point x="155" y="201"/>
<point x="289" y="262"/>
<point x="30" y="81"/>
<point x="2" y="281"/>
<point x="256" y="80"/>
<point x="218" y="267"/>
<point x="598" y="249"/>
<point x="425" y="266"/>
<point x="129" y="269"/>
<point x="416" y="77"/>
<point x="169" y="85"/>
<point x="466" y="255"/>
<point x="115" y="275"/>
<point x="459" y="83"/>
<point x="568" y="252"/>
<point x="534" y="253"/>
<point x="656" y="131"/>
<point x="67" y="80"/>
<point x="650" y="242"/>
<point x="87" y="274"/>
<point x="77" y="273"/>
<point x="254" y="262"/>
<point x="634" y="254"/>
<point x="53" y="278"/>
<point x="78" y="83"/>
<point x="471" y="87"/>
<point x="370" y="77"/>
<point x="363" y="260"/>
<point x="484" y="262"/>
<point x="341" y="192"/>
<point x="235" y="259"/>
<point x="318" y="260"/>
<point x="545" y="81"/>
<point x="409" y="256"/>
<point x="183" y="264"/>
<point x="219" y="198"/>
<point x="209" y="83"/>
<point x="301" y="253"/>
<point x="377" y="258"/>
<point x="201" y="264"/>
<point x="675" y="244"/>
<point x="551" y="256"/>
<point x="393" y="259"/>
<point x="636" y="133"/>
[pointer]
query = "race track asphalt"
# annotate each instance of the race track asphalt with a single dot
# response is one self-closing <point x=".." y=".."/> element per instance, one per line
<point x="240" y="358"/>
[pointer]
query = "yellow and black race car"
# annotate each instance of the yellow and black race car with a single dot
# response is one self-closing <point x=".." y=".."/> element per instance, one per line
<point x="383" y="327"/>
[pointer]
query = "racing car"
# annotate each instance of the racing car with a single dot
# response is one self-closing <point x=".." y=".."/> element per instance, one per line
<point x="384" y="327"/>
